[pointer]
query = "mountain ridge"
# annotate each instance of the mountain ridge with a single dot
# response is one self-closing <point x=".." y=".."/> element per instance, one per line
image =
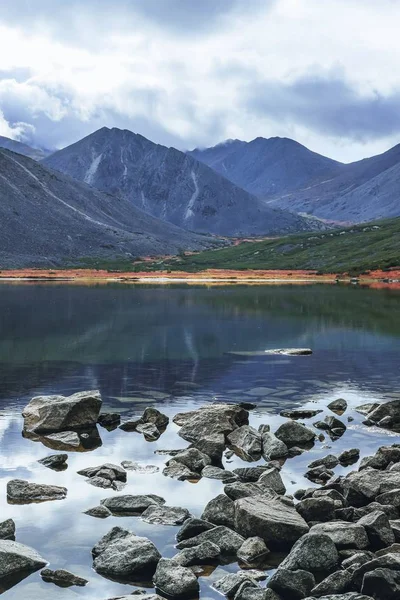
<point x="24" y="149"/>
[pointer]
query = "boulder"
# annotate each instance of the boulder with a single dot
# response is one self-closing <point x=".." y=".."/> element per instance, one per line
<point x="105" y="476"/>
<point x="20" y="491"/>
<point x="18" y="561"/>
<point x="242" y="490"/>
<point x="251" y="593"/>
<point x="249" y="474"/>
<point x="253" y="552"/>
<point x="175" y="581"/>
<point x="338" y="406"/>
<point x="109" y="421"/>
<point x="231" y="583"/>
<point x="378" y="529"/>
<point x="313" y="553"/>
<point x="361" y="487"/>
<point x="7" y="530"/>
<point x="177" y="470"/>
<point x="220" y="511"/>
<point x="213" y="446"/>
<point x="317" y="509"/>
<point x="245" y="441"/>
<point x="191" y="458"/>
<point x="217" y="473"/>
<point x="228" y="541"/>
<point x="300" y="413"/>
<point x="276" y="522"/>
<point x="336" y="583"/>
<point x="292" y="585"/>
<point x="271" y="478"/>
<point x="382" y="584"/>
<point x="152" y="423"/>
<point x="343" y="534"/>
<point x="131" y="505"/>
<point x="349" y="596"/>
<point x="349" y="457"/>
<point x="388" y="409"/>
<point x="210" y="421"/>
<point x="47" y="414"/>
<point x="329" y="461"/>
<point x="205" y="553"/>
<point x="192" y="527"/>
<point x="62" y="578"/>
<point x="294" y="434"/>
<point x="124" y="556"/>
<point x="387" y="561"/>
<point x="57" y="462"/>
<point x="165" y="515"/>
<point x="272" y="447"/>
<point x="319" y="474"/>
<point x="335" y="424"/>
<point x="100" y="512"/>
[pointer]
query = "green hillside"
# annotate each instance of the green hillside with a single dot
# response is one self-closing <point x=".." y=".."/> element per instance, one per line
<point x="356" y="249"/>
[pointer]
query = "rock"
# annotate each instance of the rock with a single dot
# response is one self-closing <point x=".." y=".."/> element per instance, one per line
<point x="175" y="581"/>
<point x="7" y="530"/>
<point x="253" y="552"/>
<point x="205" y="553"/>
<point x="191" y="458"/>
<point x="109" y="421"/>
<point x="100" y="512"/>
<point x="150" y="431"/>
<point x="131" y="505"/>
<point x="64" y="440"/>
<point x="272" y="447"/>
<point x="213" y="446"/>
<point x="57" y="462"/>
<point x="319" y="474"/>
<point x="382" y="584"/>
<point x="383" y="457"/>
<point x="249" y="474"/>
<point x="338" y="406"/>
<point x="228" y="541"/>
<point x="177" y="470"/>
<point x="387" y="561"/>
<point x="349" y="457"/>
<point x="294" y="434"/>
<point x="245" y="441"/>
<point x="336" y="583"/>
<point x="365" y="409"/>
<point x="220" y="511"/>
<point x="271" y="478"/>
<point x="17" y="561"/>
<point x="349" y="596"/>
<point x="315" y="553"/>
<point x="62" y="578"/>
<point x="210" y="421"/>
<point x="317" y="509"/>
<point x="334" y="423"/>
<point x="378" y="529"/>
<point x="47" y="414"/>
<point x="293" y="585"/>
<point x="356" y="560"/>
<point x="243" y="490"/>
<point x="129" y="465"/>
<point x="329" y="461"/>
<point x="295" y="451"/>
<point x="277" y="523"/>
<point x="393" y="549"/>
<point x="123" y="556"/>
<point x="165" y="515"/>
<point x="105" y="476"/>
<point x="321" y="425"/>
<point x="388" y="409"/>
<point x="20" y="491"/>
<point x="218" y="473"/>
<point x="251" y="593"/>
<point x="130" y="425"/>
<point x="192" y="527"/>
<point x="343" y="534"/>
<point x="300" y="413"/>
<point x="151" y="416"/>
<point x="361" y="487"/>
<point x="328" y="493"/>
<point x="231" y="583"/>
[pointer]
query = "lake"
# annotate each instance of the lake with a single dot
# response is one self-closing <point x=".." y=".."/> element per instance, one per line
<point x="169" y="347"/>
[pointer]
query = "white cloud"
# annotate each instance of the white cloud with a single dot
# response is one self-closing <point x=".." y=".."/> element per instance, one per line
<point x="17" y="131"/>
<point x="182" y="77"/>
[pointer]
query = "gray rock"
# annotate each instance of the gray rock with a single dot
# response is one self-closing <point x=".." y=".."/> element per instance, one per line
<point x="228" y="541"/>
<point x="361" y="487"/>
<point x="249" y="474"/>
<point x="336" y="583"/>
<point x="7" y="530"/>
<point x="329" y="461"/>
<point x="392" y="549"/>
<point x="220" y="511"/>
<point x="109" y="421"/>
<point x="338" y="406"/>
<point x="192" y="527"/>
<point x="348" y="457"/>
<point x="293" y="585"/>
<point x="245" y="441"/>
<point x="272" y="447"/>
<point x="319" y="474"/>
<point x="213" y="446"/>
<point x="69" y="440"/>
<point x="313" y="553"/>
<point x="253" y="552"/>
<point x="105" y="476"/>
<point x="18" y="560"/>
<point x="378" y="529"/>
<point x="218" y="473"/>
<point x="20" y="491"/>
<point x="177" y="470"/>
<point x="335" y="423"/>
<point x="210" y="421"/>
<point x="251" y="593"/>
<point x="100" y="512"/>
<point x="123" y="556"/>
<point x="356" y="560"/>
<point x="165" y="515"/>
<point x="191" y="458"/>
<point x="47" y="414"/>
<point x="130" y="465"/>
<point x="57" y="462"/>
<point x="348" y="596"/>
<point x="205" y="553"/>
<point x="294" y="434"/>
<point x="365" y="409"/>
<point x="271" y="478"/>
<point x="317" y="509"/>
<point x="150" y="431"/>
<point x="231" y="583"/>
<point x="387" y="561"/>
<point x="243" y="490"/>
<point x="382" y="584"/>
<point x="277" y="523"/>
<point x="300" y="413"/>
<point x="388" y="409"/>
<point x="175" y="581"/>
<point x="131" y="505"/>
<point x="343" y="534"/>
<point x="62" y="578"/>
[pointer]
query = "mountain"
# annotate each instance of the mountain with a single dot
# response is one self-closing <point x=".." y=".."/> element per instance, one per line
<point x="361" y="191"/>
<point x="267" y="167"/>
<point x="47" y="218"/>
<point x="170" y="185"/>
<point x="375" y="245"/>
<point x="24" y="149"/>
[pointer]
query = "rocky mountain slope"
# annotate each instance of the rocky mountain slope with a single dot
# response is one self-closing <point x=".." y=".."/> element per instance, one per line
<point x="266" y="167"/>
<point x="47" y="218"/>
<point x="170" y="185"/>
<point x="24" y="149"/>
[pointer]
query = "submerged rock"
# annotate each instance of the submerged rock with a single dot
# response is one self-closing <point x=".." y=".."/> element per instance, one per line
<point x="131" y="505"/>
<point x="175" y="581"/>
<point x="165" y="515"/>
<point x="300" y="413"/>
<point x="57" y="462"/>
<point x="129" y="465"/>
<point x="47" y="414"/>
<point x="7" y="530"/>
<point x="62" y="578"/>
<point x="20" y="491"/>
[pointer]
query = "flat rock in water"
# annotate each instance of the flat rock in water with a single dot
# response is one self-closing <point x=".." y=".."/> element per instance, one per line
<point x="17" y="559"/>
<point x="47" y="414"/>
<point x="192" y="527"/>
<point x="57" y="462"/>
<point x="294" y="434"/>
<point x="177" y="470"/>
<point x="140" y="468"/>
<point x="20" y="491"/>
<point x="174" y="581"/>
<point x="165" y="515"/>
<point x="62" y="578"/>
<point x="211" y="420"/>
<point x="109" y="421"/>
<point x="100" y="512"/>
<point x="218" y="473"/>
<point x="290" y="351"/>
<point x="227" y="540"/>
<point x="64" y="439"/>
<point x="205" y="553"/>
<point x="300" y="413"/>
<point x="131" y="505"/>
<point x="245" y="441"/>
<point x="7" y="530"/>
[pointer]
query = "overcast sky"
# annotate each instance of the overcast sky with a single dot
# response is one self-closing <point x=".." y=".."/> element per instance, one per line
<point x="192" y="73"/>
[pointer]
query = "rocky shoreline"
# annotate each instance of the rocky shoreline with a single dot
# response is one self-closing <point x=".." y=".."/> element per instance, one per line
<point x="339" y="539"/>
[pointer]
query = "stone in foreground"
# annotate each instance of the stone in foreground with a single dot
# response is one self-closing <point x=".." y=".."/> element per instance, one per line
<point x="165" y="515"/>
<point x="47" y="414"/>
<point x="62" y="578"/>
<point x="175" y="581"/>
<point x="7" y="530"/>
<point x="20" y="491"/>
<point x="57" y="462"/>
<point x="18" y="561"/>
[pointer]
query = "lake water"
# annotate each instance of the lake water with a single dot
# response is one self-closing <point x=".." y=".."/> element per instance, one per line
<point x="168" y="347"/>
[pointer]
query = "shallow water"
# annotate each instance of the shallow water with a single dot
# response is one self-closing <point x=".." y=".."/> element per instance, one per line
<point x="137" y="345"/>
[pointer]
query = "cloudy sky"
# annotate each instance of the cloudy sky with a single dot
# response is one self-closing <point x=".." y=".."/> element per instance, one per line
<point x="195" y="72"/>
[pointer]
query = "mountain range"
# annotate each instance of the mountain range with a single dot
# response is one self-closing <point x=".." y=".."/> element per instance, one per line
<point x="50" y="219"/>
<point x="287" y="175"/>
<point x="171" y="185"/>
<point x="24" y="149"/>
